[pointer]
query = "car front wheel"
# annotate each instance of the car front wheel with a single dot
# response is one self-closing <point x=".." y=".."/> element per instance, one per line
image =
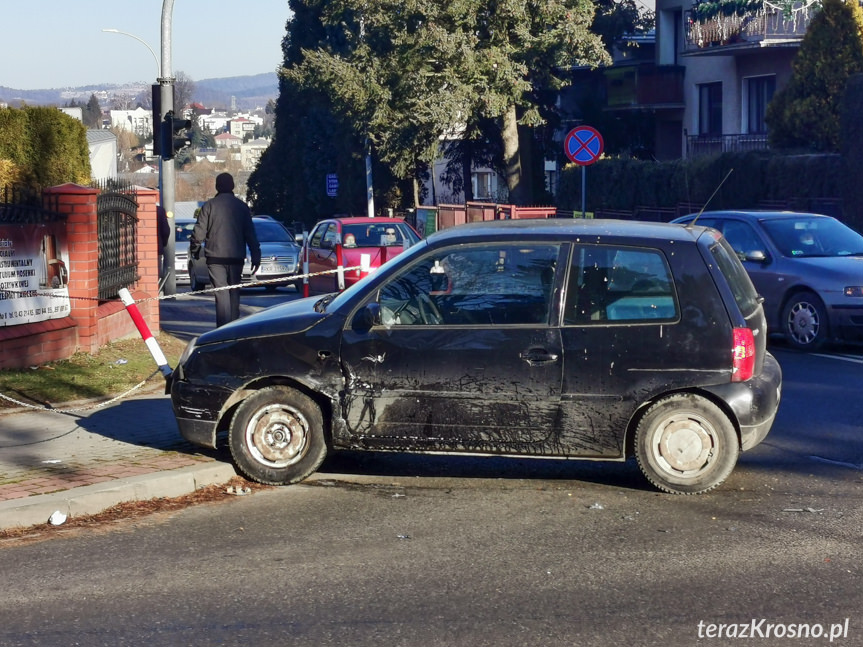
<point x="276" y="436"/>
<point x="685" y="444"/>
<point x="804" y="322"/>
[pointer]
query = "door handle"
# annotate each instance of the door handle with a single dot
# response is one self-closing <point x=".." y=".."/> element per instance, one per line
<point x="538" y="356"/>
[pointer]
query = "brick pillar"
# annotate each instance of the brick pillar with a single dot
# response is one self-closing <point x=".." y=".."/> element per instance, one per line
<point x="148" y="255"/>
<point x="79" y="203"/>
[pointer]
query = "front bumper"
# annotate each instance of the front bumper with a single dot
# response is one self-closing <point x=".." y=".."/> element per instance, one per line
<point x="197" y="410"/>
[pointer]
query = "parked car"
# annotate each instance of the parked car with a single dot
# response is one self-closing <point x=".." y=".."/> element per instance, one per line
<point x="808" y="268"/>
<point x="379" y="239"/>
<point x="280" y="257"/>
<point x="183" y="228"/>
<point x="546" y="338"/>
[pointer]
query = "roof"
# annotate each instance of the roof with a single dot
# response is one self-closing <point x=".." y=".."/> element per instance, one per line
<point x="586" y="230"/>
<point x="100" y="136"/>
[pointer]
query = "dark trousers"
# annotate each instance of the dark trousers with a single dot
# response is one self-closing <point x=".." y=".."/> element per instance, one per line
<point x="227" y="301"/>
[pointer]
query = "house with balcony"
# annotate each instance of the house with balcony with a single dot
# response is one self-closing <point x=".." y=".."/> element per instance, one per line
<point x="735" y="55"/>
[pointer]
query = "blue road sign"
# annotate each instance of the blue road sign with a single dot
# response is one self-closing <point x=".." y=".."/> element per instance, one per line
<point x="583" y="145"/>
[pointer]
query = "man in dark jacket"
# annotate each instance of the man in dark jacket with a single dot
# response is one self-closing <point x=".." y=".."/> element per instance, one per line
<point x="225" y="227"/>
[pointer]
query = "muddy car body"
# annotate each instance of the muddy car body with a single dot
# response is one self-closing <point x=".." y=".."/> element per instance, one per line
<point x="575" y="339"/>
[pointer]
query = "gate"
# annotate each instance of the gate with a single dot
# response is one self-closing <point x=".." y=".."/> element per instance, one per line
<point x="117" y="212"/>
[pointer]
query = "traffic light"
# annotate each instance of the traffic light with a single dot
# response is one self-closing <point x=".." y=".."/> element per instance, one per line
<point x="174" y="135"/>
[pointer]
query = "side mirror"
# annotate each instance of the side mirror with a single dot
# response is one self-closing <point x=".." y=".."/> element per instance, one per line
<point x="367" y="317"/>
<point x="756" y="256"/>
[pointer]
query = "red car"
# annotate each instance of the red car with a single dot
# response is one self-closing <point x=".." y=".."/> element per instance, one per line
<point x="349" y="239"/>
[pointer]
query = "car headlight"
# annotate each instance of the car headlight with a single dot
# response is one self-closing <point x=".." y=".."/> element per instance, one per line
<point x="854" y="291"/>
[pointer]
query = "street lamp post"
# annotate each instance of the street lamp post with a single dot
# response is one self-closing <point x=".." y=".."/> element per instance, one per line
<point x="168" y="172"/>
<point x="166" y="271"/>
<point x="143" y="42"/>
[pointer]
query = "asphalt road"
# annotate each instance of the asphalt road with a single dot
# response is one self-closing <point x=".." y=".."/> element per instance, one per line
<point x="382" y="549"/>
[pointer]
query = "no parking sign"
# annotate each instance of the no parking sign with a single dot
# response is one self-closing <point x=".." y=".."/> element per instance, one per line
<point x="583" y="145"/>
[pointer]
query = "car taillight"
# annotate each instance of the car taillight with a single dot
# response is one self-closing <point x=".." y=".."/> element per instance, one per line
<point x="743" y="365"/>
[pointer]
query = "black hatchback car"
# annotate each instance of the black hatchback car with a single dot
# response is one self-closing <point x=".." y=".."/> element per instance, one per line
<point x="558" y="338"/>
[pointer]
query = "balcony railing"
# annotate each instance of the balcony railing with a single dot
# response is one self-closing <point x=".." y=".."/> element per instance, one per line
<point x="723" y="23"/>
<point x="700" y="145"/>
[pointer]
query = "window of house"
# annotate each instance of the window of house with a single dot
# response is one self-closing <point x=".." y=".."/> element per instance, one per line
<point x="759" y="92"/>
<point x="482" y="188"/>
<point x="710" y="109"/>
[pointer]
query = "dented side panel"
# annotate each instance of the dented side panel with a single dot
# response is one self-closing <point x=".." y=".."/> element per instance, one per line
<point x="450" y="388"/>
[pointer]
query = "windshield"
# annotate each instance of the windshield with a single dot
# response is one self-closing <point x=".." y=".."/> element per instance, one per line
<point x="272" y="232"/>
<point x="808" y="235"/>
<point x="184" y="230"/>
<point x="377" y="234"/>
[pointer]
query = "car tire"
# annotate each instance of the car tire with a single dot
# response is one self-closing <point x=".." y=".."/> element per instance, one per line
<point x="276" y="436"/>
<point x="194" y="284"/>
<point x="685" y="444"/>
<point x="804" y="322"/>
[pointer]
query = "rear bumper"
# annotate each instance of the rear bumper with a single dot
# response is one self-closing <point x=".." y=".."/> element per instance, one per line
<point x="755" y="402"/>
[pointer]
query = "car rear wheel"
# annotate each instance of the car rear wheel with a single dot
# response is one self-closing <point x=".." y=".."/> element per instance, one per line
<point x="276" y="436"/>
<point x="804" y="321"/>
<point x="685" y="444"/>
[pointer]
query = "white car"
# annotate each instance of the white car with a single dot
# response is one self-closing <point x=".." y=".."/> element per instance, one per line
<point x="183" y="228"/>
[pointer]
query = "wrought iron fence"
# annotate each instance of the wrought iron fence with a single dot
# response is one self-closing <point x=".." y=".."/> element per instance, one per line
<point x="117" y="212"/>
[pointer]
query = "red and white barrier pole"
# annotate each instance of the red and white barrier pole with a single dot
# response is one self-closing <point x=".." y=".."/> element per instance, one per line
<point x="141" y="325"/>
<point x="340" y="266"/>
<point x="365" y="265"/>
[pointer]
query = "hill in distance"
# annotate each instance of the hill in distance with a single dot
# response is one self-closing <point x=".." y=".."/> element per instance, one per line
<point x="248" y="91"/>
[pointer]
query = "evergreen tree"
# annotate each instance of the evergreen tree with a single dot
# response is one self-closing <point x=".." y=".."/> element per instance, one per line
<point x="805" y="113"/>
<point x="93" y="113"/>
<point x="402" y="74"/>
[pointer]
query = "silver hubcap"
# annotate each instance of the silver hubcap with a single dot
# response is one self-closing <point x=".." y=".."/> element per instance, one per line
<point x="277" y="435"/>
<point x="685" y="444"/>
<point x="803" y="324"/>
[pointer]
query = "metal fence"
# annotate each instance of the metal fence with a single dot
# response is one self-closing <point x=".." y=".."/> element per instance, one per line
<point x="117" y="213"/>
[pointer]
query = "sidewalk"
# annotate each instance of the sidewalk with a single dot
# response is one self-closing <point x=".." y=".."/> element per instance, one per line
<point x="85" y="462"/>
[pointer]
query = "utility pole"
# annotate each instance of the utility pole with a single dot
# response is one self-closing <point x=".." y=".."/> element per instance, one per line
<point x="168" y="168"/>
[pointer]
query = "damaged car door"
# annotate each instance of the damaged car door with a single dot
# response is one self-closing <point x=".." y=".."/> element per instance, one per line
<point x="459" y="351"/>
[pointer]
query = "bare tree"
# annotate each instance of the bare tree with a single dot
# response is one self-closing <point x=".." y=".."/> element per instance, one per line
<point x="184" y="91"/>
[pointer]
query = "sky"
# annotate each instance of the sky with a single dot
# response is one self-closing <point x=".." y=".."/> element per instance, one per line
<point x="59" y="43"/>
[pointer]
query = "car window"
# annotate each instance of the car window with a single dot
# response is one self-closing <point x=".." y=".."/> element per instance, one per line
<point x="742" y="237"/>
<point x="396" y="233"/>
<point x="499" y="284"/>
<point x="183" y="231"/>
<point x="317" y="235"/>
<point x="330" y="235"/>
<point x="272" y="232"/>
<point x="609" y="284"/>
<point x="735" y="275"/>
<point x="813" y="236"/>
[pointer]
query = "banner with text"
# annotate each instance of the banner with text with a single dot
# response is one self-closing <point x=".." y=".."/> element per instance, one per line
<point x="34" y="275"/>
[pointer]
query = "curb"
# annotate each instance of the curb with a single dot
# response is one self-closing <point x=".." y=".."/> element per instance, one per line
<point x="92" y="499"/>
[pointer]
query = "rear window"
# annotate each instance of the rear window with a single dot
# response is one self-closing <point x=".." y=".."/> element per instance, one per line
<point x="736" y="277"/>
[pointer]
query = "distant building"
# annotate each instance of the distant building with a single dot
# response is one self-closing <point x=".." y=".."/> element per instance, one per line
<point x="137" y="121"/>
<point x="226" y="140"/>
<point x="251" y="152"/>
<point x="103" y="154"/>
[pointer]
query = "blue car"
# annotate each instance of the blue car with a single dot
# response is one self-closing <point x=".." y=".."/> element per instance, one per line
<point x="808" y="267"/>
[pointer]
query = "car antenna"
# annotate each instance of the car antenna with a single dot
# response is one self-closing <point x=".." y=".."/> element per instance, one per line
<point x="691" y="224"/>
